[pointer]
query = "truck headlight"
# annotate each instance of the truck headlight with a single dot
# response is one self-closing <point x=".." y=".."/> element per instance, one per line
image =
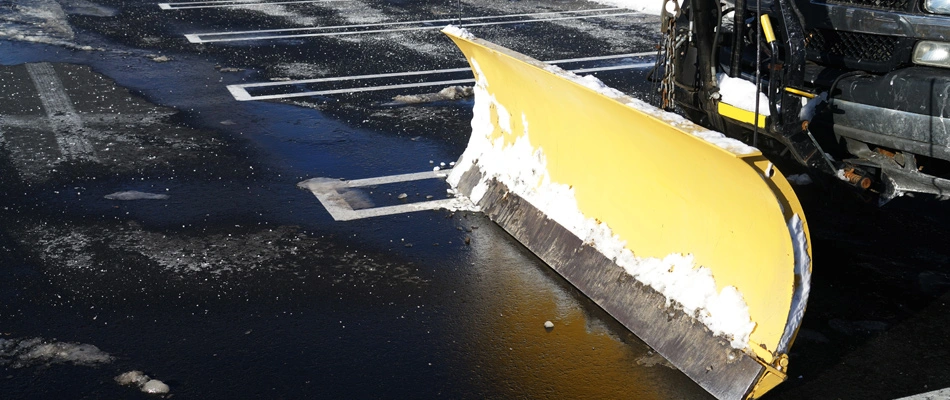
<point x="936" y="54"/>
<point x="937" y="6"/>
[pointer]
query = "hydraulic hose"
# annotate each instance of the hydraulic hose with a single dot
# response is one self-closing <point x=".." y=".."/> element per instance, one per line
<point x="738" y="30"/>
<point x="703" y="15"/>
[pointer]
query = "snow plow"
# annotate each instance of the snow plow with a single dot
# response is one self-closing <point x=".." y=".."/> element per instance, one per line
<point x="707" y="258"/>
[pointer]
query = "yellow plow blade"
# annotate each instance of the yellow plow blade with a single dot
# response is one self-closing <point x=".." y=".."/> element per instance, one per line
<point x="693" y="241"/>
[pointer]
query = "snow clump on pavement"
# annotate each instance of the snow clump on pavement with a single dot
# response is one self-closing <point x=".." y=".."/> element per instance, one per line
<point x="20" y="353"/>
<point x="144" y="383"/>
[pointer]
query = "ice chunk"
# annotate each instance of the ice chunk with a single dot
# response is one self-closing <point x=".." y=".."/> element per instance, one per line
<point x="548" y="325"/>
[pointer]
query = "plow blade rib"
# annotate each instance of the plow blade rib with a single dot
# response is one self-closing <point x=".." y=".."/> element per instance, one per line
<point x="694" y="242"/>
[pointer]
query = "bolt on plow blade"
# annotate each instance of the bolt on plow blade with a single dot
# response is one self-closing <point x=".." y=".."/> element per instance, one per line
<point x="693" y="241"/>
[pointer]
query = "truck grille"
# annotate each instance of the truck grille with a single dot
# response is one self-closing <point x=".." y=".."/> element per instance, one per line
<point x="851" y="46"/>
<point x="896" y="5"/>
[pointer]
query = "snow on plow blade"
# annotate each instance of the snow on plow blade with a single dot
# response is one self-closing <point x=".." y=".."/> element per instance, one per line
<point x="693" y="241"/>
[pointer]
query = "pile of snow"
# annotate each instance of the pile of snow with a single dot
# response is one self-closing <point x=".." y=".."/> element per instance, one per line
<point x="741" y="94"/>
<point x="458" y="31"/>
<point x="144" y="383"/>
<point x="645" y="6"/>
<point x="524" y="171"/>
<point x="135" y="195"/>
<point x="19" y="353"/>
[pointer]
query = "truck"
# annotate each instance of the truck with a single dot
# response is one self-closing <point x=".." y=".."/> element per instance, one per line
<point x="854" y="88"/>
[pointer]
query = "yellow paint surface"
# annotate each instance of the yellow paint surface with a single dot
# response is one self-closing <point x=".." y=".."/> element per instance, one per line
<point x="657" y="186"/>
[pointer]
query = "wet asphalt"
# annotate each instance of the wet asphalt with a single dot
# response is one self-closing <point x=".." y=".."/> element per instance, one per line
<point x="236" y="284"/>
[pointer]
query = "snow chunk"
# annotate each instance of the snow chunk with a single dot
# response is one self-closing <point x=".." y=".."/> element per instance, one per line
<point x="135" y="195"/>
<point x="523" y="170"/>
<point x="155" y="386"/>
<point x="741" y="94"/>
<point x="448" y="94"/>
<point x="40" y="352"/>
<point x="458" y="31"/>
<point x="158" y="58"/>
<point x="132" y="378"/>
<point x="144" y="383"/>
<point x="840" y="174"/>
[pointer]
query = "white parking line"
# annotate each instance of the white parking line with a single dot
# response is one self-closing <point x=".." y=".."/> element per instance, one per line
<point x="32" y="122"/>
<point x="234" y="3"/>
<point x="240" y="93"/>
<point x="942" y="394"/>
<point x="426" y="25"/>
<point x="66" y="124"/>
<point x="327" y="191"/>
<point x="433" y="71"/>
<point x="424" y="21"/>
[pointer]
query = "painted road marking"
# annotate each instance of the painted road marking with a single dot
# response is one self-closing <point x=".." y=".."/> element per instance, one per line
<point x="340" y="30"/>
<point x="240" y="93"/>
<point x="417" y="22"/>
<point x="234" y="3"/>
<point x="31" y="122"/>
<point x="66" y="124"/>
<point x="328" y="192"/>
<point x="942" y="394"/>
<point x="435" y="71"/>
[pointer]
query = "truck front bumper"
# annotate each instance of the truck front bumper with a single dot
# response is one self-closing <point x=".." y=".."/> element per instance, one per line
<point x="907" y="110"/>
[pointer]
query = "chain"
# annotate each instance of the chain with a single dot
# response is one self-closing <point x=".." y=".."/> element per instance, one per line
<point x="667" y="51"/>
